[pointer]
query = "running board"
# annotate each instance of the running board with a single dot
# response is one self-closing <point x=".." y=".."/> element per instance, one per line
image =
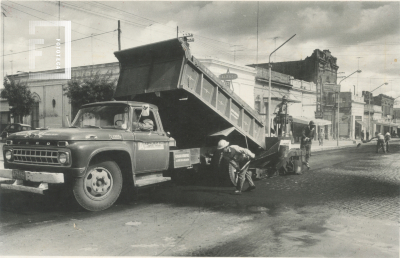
<point x="150" y="180"/>
<point x="18" y="186"/>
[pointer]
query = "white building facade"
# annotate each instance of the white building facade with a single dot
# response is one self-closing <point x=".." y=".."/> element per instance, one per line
<point x="243" y="86"/>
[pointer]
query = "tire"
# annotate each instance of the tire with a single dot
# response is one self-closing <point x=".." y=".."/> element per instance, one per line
<point x="100" y="187"/>
<point x="233" y="175"/>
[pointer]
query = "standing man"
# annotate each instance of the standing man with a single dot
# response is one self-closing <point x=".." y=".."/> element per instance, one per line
<point x="238" y="157"/>
<point x="306" y="140"/>
<point x="380" y="143"/>
<point x="362" y="135"/>
<point x="281" y="113"/>
<point x="281" y="108"/>
<point x="321" y="137"/>
<point x="387" y="139"/>
<point x="367" y="136"/>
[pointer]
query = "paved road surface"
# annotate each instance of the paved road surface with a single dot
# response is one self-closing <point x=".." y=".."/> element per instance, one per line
<point x="347" y="205"/>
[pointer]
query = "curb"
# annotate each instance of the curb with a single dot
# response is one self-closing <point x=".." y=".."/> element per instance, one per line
<point x="348" y="146"/>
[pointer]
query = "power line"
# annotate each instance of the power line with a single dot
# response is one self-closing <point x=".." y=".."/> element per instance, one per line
<point x="79" y="8"/>
<point x="110" y="7"/>
<point x="141" y="26"/>
<point x="52" y="15"/>
<point x="47" y="20"/>
<point x="62" y="43"/>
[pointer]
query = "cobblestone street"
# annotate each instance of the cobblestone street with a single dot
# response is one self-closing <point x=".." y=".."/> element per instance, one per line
<point x="368" y="186"/>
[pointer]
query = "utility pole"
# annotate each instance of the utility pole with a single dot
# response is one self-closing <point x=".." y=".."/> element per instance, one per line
<point x="269" y="84"/>
<point x="358" y="68"/>
<point x="3" y="15"/>
<point x="119" y="35"/>
<point x="92" y="45"/>
<point x="275" y="48"/>
<point x="258" y="10"/>
<point x="177" y="31"/>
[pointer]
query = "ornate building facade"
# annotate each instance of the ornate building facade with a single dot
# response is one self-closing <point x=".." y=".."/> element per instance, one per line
<point x="321" y="69"/>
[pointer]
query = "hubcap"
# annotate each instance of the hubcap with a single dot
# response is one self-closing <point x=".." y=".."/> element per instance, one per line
<point x="98" y="183"/>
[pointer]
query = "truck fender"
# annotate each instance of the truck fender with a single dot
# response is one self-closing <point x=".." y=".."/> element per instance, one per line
<point x="106" y="149"/>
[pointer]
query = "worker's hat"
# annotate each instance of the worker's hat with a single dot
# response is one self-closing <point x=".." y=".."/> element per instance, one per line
<point x="222" y="144"/>
<point x="311" y="122"/>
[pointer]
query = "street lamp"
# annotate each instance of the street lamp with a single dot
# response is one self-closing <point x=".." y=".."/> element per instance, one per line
<point x="269" y="83"/>
<point x="369" y="106"/>
<point x="337" y="138"/>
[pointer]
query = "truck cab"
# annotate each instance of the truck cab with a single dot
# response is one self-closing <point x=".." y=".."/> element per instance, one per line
<point x="104" y="148"/>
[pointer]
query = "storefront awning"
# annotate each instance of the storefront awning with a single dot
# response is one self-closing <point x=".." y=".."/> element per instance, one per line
<point x="306" y="120"/>
<point x="362" y="123"/>
<point x="278" y="96"/>
<point x="384" y="123"/>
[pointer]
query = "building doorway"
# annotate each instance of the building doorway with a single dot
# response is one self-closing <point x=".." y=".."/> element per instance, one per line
<point x="35" y="115"/>
<point x="357" y="131"/>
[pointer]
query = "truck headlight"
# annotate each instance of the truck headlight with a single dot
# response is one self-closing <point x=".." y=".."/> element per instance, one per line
<point x="63" y="157"/>
<point x="8" y="155"/>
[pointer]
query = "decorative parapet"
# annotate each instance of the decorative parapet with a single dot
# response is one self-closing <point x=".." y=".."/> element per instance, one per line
<point x="372" y="108"/>
<point x="263" y="73"/>
<point x="299" y="84"/>
<point x="357" y="98"/>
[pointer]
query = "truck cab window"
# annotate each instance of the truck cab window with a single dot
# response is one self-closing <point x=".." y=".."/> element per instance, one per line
<point x="107" y="116"/>
<point x="144" y="123"/>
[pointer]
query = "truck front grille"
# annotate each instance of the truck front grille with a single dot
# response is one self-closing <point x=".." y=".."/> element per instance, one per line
<point x="36" y="156"/>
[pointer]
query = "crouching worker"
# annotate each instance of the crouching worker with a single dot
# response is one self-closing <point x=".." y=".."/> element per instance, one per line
<point x="238" y="157"/>
<point x="380" y="143"/>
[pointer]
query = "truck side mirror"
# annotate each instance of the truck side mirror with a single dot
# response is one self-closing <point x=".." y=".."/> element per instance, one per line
<point x="145" y="110"/>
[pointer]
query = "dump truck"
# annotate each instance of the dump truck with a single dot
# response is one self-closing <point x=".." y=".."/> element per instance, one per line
<point x="107" y="149"/>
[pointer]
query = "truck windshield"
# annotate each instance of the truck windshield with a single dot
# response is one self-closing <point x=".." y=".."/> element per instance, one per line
<point x="112" y="116"/>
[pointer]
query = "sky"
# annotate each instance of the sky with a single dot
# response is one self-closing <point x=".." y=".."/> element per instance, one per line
<point x="362" y="35"/>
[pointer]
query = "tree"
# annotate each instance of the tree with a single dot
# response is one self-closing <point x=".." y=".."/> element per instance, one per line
<point x="19" y="97"/>
<point x="90" y="87"/>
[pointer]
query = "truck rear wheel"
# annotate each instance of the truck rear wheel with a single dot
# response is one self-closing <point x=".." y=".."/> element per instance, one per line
<point x="100" y="187"/>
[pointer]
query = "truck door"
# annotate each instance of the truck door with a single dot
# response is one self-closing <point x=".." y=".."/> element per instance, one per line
<point x="151" y="146"/>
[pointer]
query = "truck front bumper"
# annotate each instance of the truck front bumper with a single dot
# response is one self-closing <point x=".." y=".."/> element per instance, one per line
<point x="20" y="176"/>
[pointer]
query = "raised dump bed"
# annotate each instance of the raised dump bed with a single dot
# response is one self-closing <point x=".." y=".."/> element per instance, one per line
<point x="193" y="103"/>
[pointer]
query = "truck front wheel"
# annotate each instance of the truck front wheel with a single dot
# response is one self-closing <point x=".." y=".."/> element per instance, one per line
<point x="100" y="187"/>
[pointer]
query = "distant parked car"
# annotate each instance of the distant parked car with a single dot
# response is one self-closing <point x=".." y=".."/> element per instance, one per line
<point x="13" y="128"/>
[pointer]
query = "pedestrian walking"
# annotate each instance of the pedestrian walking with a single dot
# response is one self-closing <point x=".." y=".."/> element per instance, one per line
<point x="380" y="143"/>
<point x="239" y="158"/>
<point x="321" y="137"/>
<point x="387" y="139"/>
<point x="362" y="135"/>
<point x="306" y="140"/>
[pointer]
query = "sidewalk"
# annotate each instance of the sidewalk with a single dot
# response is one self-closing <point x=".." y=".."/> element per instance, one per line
<point x="329" y="145"/>
<point x="332" y="144"/>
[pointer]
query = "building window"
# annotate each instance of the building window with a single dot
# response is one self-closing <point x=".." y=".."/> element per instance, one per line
<point x="257" y="106"/>
<point x="53" y="103"/>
